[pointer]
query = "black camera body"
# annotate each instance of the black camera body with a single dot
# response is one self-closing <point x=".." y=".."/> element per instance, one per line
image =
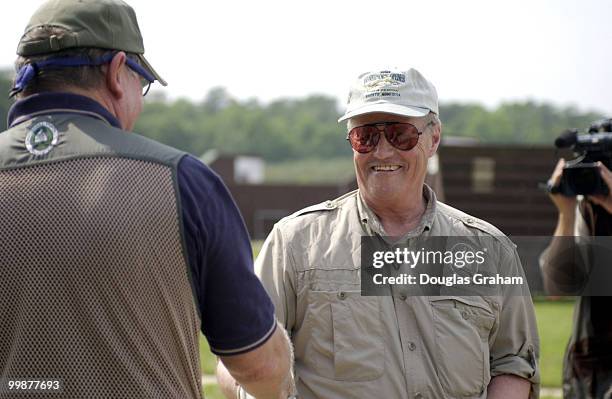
<point x="581" y="175"/>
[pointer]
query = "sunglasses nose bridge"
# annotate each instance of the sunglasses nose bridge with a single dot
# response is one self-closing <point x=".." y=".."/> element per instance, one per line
<point x="382" y="130"/>
<point x="381" y="127"/>
<point x="383" y="149"/>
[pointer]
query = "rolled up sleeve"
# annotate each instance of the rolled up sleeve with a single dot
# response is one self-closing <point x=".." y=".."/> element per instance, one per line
<point x="564" y="262"/>
<point x="515" y="347"/>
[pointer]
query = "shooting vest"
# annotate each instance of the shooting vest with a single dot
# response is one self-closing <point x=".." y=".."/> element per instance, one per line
<point x="94" y="284"/>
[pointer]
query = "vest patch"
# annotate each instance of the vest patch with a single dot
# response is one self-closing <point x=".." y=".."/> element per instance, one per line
<point x="41" y="138"/>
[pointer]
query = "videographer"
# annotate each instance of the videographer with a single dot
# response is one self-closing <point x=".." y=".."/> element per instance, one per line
<point x="581" y="193"/>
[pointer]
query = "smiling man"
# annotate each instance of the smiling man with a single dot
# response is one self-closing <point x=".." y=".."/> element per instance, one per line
<point x="396" y="346"/>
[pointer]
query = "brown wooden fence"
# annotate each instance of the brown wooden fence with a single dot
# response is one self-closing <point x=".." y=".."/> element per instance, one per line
<point x="506" y="194"/>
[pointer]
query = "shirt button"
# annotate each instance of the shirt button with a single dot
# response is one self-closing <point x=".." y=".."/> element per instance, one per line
<point x="342" y="295"/>
<point x="329" y="204"/>
<point x="469" y="220"/>
<point x="403" y="297"/>
<point x="465" y="315"/>
<point x="411" y="346"/>
<point x="418" y="395"/>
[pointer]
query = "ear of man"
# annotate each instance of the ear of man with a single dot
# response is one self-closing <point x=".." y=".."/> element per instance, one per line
<point x="435" y="132"/>
<point x="114" y="76"/>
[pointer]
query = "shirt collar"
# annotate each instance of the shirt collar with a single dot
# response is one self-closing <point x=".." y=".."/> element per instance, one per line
<point x="55" y="103"/>
<point x="371" y="221"/>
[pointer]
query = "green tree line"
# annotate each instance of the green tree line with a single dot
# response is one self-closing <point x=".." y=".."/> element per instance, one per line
<point x="306" y="128"/>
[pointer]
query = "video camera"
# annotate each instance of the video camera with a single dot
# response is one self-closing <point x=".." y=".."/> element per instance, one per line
<point x="581" y="175"/>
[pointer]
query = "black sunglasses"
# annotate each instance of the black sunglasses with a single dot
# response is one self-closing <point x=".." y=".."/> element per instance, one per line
<point x="403" y="136"/>
<point x="145" y="77"/>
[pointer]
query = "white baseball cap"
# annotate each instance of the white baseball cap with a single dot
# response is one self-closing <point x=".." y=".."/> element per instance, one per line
<point x="405" y="93"/>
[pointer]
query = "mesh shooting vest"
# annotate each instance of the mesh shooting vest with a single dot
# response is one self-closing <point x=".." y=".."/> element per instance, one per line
<point x="94" y="284"/>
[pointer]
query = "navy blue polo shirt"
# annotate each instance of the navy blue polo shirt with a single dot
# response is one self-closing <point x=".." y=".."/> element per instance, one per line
<point x="237" y="314"/>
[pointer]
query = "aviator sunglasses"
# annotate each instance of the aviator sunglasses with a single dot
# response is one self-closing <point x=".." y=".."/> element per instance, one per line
<point x="403" y="136"/>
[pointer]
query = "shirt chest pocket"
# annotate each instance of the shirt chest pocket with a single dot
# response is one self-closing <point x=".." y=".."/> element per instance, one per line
<point x="462" y="327"/>
<point x="341" y="334"/>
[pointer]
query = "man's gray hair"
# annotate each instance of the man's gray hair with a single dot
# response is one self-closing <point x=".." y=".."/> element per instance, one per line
<point x="432" y="119"/>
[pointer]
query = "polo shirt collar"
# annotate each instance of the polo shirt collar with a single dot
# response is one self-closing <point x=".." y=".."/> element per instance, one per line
<point x="58" y="103"/>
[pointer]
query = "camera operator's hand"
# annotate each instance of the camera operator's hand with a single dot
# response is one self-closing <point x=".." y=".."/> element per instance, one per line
<point x="604" y="201"/>
<point x="565" y="205"/>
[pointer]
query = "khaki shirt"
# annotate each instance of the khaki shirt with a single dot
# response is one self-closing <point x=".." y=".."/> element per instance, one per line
<point x="399" y="346"/>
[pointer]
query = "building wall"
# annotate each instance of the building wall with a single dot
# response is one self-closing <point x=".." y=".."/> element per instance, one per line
<point x="514" y="203"/>
<point x="263" y="205"/>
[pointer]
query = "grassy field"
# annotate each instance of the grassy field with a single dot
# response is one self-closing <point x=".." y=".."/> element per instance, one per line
<point x="212" y="392"/>
<point x="554" y="326"/>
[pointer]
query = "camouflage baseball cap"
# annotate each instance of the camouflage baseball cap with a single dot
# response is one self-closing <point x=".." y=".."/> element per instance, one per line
<point x="105" y="24"/>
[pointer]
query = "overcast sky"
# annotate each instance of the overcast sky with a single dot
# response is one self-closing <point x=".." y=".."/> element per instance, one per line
<point x="484" y="51"/>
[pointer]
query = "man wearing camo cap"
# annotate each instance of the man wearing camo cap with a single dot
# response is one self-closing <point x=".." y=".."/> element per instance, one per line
<point x="116" y="250"/>
<point x="396" y="346"/>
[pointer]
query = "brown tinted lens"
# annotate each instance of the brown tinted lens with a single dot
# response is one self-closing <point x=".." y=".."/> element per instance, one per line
<point x="364" y="138"/>
<point x="402" y="136"/>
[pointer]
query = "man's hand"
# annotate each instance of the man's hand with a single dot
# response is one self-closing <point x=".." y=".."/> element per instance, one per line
<point x="264" y="372"/>
<point x="604" y="201"/>
<point x="565" y="205"/>
<point x="227" y="383"/>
